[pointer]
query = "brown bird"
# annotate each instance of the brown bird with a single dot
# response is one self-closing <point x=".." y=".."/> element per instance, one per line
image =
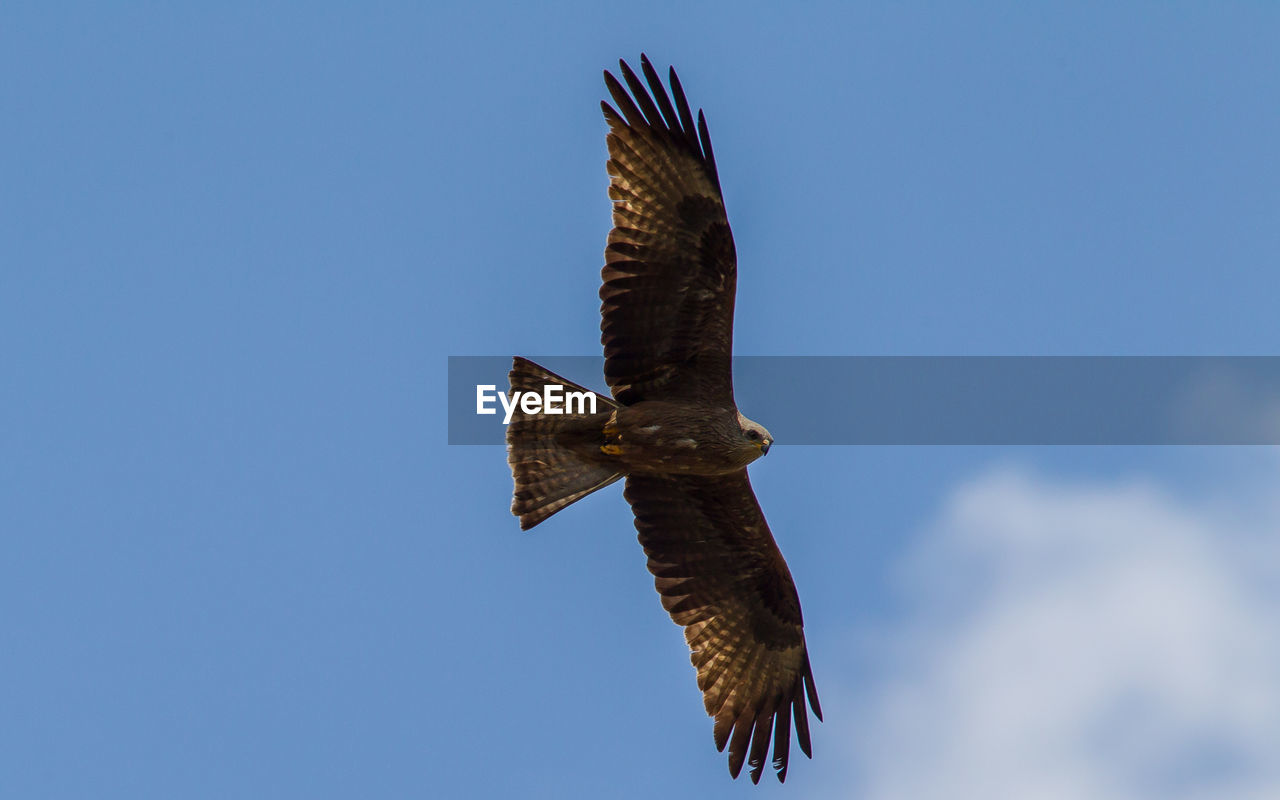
<point x="673" y="430"/>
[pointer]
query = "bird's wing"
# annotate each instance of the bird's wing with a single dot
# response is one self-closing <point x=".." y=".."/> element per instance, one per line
<point x="722" y="577"/>
<point x="670" y="266"/>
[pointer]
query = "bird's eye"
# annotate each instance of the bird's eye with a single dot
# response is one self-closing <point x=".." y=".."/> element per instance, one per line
<point x="753" y="435"/>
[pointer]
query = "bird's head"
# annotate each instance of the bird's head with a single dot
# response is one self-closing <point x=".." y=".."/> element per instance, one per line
<point x="757" y="438"/>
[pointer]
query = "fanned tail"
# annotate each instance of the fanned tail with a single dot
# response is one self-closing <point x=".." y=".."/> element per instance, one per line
<point x="547" y="452"/>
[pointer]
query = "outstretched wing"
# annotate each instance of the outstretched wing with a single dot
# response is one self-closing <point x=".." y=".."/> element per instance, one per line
<point x="721" y="576"/>
<point x="670" y="266"/>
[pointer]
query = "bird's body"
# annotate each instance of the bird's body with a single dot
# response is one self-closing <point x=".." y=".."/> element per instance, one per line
<point x="660" y="437"/>
<point x="673" y="430"/>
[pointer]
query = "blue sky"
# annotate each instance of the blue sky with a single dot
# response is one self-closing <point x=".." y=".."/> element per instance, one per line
<point x="237" y="245"/>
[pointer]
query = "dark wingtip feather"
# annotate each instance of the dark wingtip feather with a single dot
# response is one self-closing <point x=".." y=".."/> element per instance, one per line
<point x="738" y="744"/>
<point x="641" y="96"/>
<point x="707" y="153"/>
<point x="660" y="96"/>
<point x="682" y="107"/>
<point x="723" y="727"/>
<point x="735" y="765"/>
<point x="811" y="689"/>
<point x="624" y="101"/>
<point x="760" y="738"/>
<point x="782" y="745"/>
<point x="802" y="725"/>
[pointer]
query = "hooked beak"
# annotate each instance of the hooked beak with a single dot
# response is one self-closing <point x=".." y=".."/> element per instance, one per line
<point x="764" y="446"/>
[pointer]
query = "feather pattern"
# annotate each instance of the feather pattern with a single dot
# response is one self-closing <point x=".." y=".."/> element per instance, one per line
<point x="721" y="576"/>
<point x="670" y="269"/>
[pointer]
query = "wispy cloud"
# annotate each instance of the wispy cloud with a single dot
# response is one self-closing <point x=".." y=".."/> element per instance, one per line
<point x="1071" y="640"/>
<point x="1225" y="402"/>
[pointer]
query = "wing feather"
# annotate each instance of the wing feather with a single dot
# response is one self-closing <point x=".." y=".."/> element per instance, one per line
<point x="682" y="105"/>
<point x="669" y="116"/>
<point x="670" y="271"/>
<point x="721" y="576"/>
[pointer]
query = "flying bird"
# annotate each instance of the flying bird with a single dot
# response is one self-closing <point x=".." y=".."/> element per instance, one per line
<point x="672" y="428"/>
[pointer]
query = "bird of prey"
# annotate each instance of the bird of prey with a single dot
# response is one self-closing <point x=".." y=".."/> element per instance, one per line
<point x="672" y="428"/>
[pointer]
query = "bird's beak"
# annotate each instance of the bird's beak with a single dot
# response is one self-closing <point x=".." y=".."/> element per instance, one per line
<point x="764" y="446"/>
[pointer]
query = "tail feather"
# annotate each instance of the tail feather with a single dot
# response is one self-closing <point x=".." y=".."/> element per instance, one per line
<point x="549" y="472"/>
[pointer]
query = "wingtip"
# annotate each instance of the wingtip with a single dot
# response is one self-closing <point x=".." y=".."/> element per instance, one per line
<point x="723" y="727"/>
<point x="735" y="768"/>
<point x="624" y="66"/>
<point x="801" y="718"/>
<point x="811" y="689"/>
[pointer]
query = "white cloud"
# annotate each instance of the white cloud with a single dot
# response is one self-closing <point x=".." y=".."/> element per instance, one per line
<point x="1228" y="402"/>
<point x="1079" y="641"/>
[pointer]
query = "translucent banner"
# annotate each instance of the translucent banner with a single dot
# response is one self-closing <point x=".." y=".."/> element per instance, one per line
<point x="949" y="400"/>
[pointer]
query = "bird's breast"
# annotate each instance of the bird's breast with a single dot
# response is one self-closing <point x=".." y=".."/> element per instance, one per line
<point x="674" y="439"/>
